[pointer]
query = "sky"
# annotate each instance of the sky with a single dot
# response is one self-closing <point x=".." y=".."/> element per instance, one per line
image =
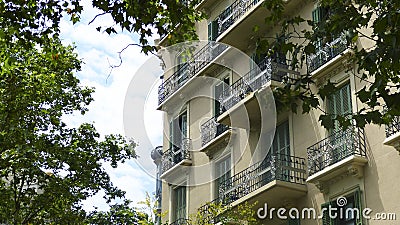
<point x="98" y="51"/>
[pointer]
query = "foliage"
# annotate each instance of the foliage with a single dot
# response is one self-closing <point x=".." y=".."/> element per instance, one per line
<point x="26" y="21"/>
<point x="149" y="211"/>
<point x="46" y="167"/>
<point x="118" y="214"/>
<point x="378" y="65"/>
<point x="241" y="214"/>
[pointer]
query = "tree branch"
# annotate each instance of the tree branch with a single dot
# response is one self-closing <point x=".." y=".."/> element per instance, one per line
<point x="100" y="14"/>
<point x="120" y="57"/>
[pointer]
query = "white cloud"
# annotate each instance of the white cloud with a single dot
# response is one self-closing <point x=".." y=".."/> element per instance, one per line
<point x="97" y="50"/>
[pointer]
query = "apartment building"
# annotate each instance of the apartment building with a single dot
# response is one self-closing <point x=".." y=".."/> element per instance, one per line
<point x="224" y="144"/>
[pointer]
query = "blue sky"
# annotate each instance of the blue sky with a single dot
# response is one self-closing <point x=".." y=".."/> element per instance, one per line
<point x="98" y="51"/>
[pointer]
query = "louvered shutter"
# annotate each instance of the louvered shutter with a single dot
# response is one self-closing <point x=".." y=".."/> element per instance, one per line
<point x="318" y="15"/>
<point x="212" y="30"/>
<point x="218" y="89"/>
<point x="171" y="134"/>
<point x="326" y="220"/>
<point x="339" y="103"/>
<point x="358" y="205"/>
<point x="180" y="201"/>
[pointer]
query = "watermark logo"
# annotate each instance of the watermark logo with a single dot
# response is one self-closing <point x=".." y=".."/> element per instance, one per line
<point x="341" y="201"/>
<point x="340" y="211"/>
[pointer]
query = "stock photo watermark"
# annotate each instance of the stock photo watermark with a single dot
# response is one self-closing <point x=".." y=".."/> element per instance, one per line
<point x="338" y="211"/>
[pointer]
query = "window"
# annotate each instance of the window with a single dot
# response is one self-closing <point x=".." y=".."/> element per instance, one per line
<point x="349" y="214"/>
<point x="281" y="149"/>
<point x="219" y="89"/>
<point x="339" y="103"/>
<point x="178" y="131"/>
<point x="281" y="143"/>
<point x="180" y="203"/>
<point x="222" y="173"/>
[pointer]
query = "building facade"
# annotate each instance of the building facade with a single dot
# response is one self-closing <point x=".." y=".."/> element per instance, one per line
<point x="227" y="148"/>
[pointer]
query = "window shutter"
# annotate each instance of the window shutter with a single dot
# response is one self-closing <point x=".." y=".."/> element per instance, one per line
<point x="183" y="126"/>
<point x="218" y="89"/>
<point x="171" y="134"/>
<point x="319" y="14"/>
<point x="180" y="201"/>
<point x="339" y="103"/>
<point x="212" y="30"/>
<point x="358" y="205"/>
<point x="177" y="135"/>
<point x="253" y="60"/>
<point x="326" y="220"/>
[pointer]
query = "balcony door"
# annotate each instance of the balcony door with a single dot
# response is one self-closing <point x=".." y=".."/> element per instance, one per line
<point x="178" y="132"/>
<point x="280" y="149"/>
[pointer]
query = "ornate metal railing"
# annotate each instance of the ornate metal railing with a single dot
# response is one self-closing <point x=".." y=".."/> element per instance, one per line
<point x="273" y="167"/>
<point x="254" y="80"/>
<point x="181" y="222"/>
<point x="327" y="52"/>
<point x="393" y="127"/>
<point x="232" y="13"/>
<point x="175" y="155"/>
<point x="211" y="129"/>
<point x="335" y="148"/>
<point x="189" y="69"/>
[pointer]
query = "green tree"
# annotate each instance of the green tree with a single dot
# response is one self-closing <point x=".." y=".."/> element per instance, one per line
<point x="46" y="167"/>
<point x="118" y="214"/>
<point x="377" y="65"/>
<point x="24" y="21"/>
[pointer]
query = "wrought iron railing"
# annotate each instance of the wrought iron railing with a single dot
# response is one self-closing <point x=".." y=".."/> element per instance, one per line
<point x="327" y="52"/>
<point x="338" y="146"/>
<point x="232" y="13"/>
<point x="175" y="155"/>
<point x="189" y="69"/>
<point x="211" y="129"/>
<point x="181" y="222"/>
<point x="393" y="127"/>
<point x="253" y="80"/>
<point x="273" y="167"/>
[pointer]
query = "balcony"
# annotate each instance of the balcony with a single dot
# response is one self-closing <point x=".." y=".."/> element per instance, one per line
<point x="181" y="222"/>
<point x="276" y="178"/>
<point x="393" y="133"/>
<point x="242" y="91"/>
<point x="188" y="70"/>
<point x="212" y="130"/>
<point x="175" y="156"/>
<point x="342" y="153"/>
<point x="232" y="13"/>
<point x="327" y="53"/>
